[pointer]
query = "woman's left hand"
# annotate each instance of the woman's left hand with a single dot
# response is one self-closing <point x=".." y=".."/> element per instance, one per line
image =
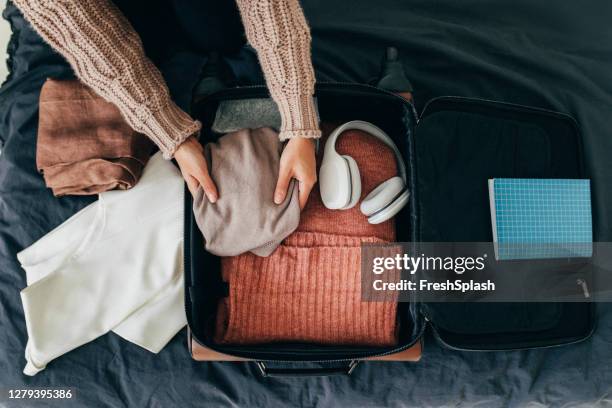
<point x="297" y="161"/>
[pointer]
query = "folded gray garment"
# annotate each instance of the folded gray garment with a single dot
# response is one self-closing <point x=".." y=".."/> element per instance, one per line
<point x="244" y="166"/>
<point x="236" y="114"/>
<point x="233" y="115"/>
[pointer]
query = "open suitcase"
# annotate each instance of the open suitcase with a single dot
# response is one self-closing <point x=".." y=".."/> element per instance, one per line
<point x="450" y="150"/>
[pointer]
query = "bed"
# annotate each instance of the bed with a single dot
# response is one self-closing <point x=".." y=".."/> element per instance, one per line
<point x="524" y="51"/>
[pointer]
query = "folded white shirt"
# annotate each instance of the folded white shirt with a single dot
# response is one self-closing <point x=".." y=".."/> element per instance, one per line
<point x="115" y="265"/>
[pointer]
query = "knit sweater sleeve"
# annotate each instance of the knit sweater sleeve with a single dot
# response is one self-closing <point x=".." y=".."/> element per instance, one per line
<point x="278" y="30"/>
<point x="107" y="55"/>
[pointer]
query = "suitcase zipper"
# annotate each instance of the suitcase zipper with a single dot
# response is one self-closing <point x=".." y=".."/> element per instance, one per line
<point x="585" y="288"/>
<point x="490" y="101"/>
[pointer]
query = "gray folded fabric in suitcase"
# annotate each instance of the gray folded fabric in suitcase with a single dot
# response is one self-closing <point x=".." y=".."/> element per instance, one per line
<point x="233" y="115"/>
<point x="244" y="166"/>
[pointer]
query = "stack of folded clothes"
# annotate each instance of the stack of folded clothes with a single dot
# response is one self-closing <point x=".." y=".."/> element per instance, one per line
<point x="309" y="289"/>
<point x="84" y="144"/>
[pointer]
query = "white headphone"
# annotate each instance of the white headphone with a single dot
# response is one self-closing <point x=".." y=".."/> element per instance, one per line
<point x="340" y="182"/>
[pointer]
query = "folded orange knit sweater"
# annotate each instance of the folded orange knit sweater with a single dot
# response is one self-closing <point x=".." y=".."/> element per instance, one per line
<point x="309" y="289"/>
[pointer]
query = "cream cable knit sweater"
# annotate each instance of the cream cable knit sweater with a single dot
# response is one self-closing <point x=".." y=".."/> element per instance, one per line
<point x="107" y="55"/>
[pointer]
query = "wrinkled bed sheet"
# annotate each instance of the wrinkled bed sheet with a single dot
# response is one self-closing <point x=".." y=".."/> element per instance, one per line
<point x="534" y="52"/>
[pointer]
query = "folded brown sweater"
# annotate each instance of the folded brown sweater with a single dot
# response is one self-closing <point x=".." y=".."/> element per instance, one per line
<point x="309" y="289"/>
<point x="84" y="145"/>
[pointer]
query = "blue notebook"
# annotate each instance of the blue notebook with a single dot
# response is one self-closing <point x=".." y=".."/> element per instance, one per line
<point x="541" y="218"/>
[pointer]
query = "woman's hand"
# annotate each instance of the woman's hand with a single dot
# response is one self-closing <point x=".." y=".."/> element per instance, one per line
<point x="190" y="158"/>
<point x="298" y="162"/>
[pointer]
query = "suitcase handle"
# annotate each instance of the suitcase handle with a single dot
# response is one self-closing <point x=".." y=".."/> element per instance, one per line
<point x="344" y="369"/>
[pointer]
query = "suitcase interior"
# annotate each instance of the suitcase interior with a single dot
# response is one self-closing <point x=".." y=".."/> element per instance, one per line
<point x="457" y="145"/>
<point x="204" y="287"/>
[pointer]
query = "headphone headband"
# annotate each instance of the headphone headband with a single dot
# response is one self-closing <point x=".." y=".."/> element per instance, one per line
<point x="378" y="133"/>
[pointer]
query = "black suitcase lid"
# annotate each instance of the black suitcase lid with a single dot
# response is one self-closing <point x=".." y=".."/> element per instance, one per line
<point x="459" y="144"/>
<point x="415" y="138"/>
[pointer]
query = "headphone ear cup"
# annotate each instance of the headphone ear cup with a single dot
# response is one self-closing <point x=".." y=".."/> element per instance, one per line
<point x="391" y="210"/>
<point x="382" y="196"/>
<point x="335" y="182"/>
<point x="355" y="177"/>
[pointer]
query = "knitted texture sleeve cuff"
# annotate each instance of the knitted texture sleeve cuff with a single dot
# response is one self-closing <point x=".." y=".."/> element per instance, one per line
<point x="278" y="30"/>
<point x="299" y="117"/>
<point x="171" y="126"/>
<point x="107" y="55"/>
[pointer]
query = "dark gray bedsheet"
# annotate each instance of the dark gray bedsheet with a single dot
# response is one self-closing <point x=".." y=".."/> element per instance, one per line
<point x="554" y="55"/>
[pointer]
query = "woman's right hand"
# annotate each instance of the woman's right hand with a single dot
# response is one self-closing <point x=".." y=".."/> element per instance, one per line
<point x="190" y="158"/>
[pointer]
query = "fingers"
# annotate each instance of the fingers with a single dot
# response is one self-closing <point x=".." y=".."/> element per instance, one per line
<point x="282" y="185"/>
<point x="208" y="185"/>
<point x="190" y="158"/>
<point x="192" y="184"/>
<point x="305" y="187"/>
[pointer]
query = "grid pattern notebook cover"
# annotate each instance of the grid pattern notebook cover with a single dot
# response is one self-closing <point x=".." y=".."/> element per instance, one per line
<point x="541" y="218"/>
